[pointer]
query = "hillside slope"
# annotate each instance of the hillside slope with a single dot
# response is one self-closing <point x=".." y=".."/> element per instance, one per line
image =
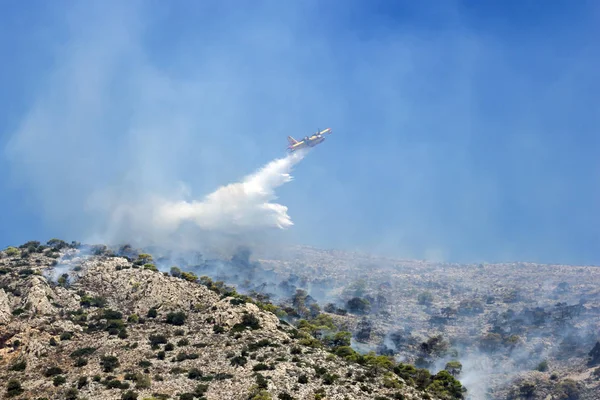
<point x="106" y="327"/>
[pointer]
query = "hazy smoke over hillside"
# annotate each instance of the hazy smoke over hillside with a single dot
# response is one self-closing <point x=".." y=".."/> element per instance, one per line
<point x="237" y="206"/>
<point x="240" y="213"/>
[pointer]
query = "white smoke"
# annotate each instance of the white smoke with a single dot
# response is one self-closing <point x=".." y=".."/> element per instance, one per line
<point x="236" y="207"/>
<point x="241" y="212"/>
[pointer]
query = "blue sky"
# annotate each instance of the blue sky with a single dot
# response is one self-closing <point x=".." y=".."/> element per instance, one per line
<point x="463" y="131"/>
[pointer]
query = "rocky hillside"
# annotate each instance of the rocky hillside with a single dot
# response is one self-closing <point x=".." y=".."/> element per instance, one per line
<point x="80" y="322"/>
<point x="508" y="330"/>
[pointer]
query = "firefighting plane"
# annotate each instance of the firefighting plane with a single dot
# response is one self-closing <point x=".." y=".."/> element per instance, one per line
<point x="308" y="141"/>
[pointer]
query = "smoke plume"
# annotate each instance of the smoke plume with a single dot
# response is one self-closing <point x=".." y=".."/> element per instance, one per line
<point x="240" y="213"/>
<point x="236" y="207"/>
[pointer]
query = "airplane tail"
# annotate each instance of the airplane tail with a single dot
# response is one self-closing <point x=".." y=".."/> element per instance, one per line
<point x="291" y="140"/>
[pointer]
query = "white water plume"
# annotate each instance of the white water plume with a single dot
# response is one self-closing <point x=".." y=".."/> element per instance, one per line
<point x="238" y="206"/>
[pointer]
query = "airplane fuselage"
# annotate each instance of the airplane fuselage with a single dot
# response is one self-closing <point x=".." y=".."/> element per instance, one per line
<point x="311" y="141"/>
<point x="315" y="140"/>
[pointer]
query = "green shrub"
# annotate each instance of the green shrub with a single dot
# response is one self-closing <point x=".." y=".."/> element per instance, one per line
<point x="454" y="368"/>
<point x="176" y="318"/>
<point x="194" y="373"/>
<point x="87" y="301"/>
<point x="329" y="379"/>
<point x="145" y="258"/>
<point x="311" y="342"/>
<point x="260" y="394"/>
<point x="261" y="367"/>
<point x="12" y="251"/>
<point x="58" y="380"/>
<point x="142" y="381"/>
<point x="109" y="363"/>
<point x="81" y="362"/>
<point x="390" y="382"/>
<point x="237" y="302"/>
<point x="129" y="395"/>
<point x="82" y="381"/>
<point x="53" y="371"/>
<point x="239" y="361"/>
<point x="71" y="394"/>
<point x="176" y="272"/>
<point x="115" y="384"/>
<point x="261" y="343"/>
<point x="151" y="267"/>
<point x="156" y="340"/>
<point x="109" y="314"/>
<point x="13" y="388"/>
<point x="82" y="352"/>
<point x="542" y="366"/>
<point x="182" y="356"/>
<point x="19" y="366"/>
<point x="189" y="276"/>
<point x="445" y="385"/>
<point x="63" y="280"/>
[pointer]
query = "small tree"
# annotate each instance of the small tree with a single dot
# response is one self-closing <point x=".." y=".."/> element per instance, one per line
<point x="109" y="363"/>
<point x="342" y="338"/>
<point x="145" y="258"/>
<point x="53" y="371"/>
<point x="357" y="305"/>
<point x="542" y="366"/>
<point x="57" y="244"/>
<point x="176" y="318"/>
<point x="13" y="388"/>
<point x="71" y="394"/>
<point x="63" y="280"/>
<point x="129" y="395"/>
<point x="454" y="368"/>
<point x="59" y="380"/>
<point x="82" y="381"/>
<point x="133" y="318"/>
<point x="189" y="276"/>
<point x="12" y="251"/>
